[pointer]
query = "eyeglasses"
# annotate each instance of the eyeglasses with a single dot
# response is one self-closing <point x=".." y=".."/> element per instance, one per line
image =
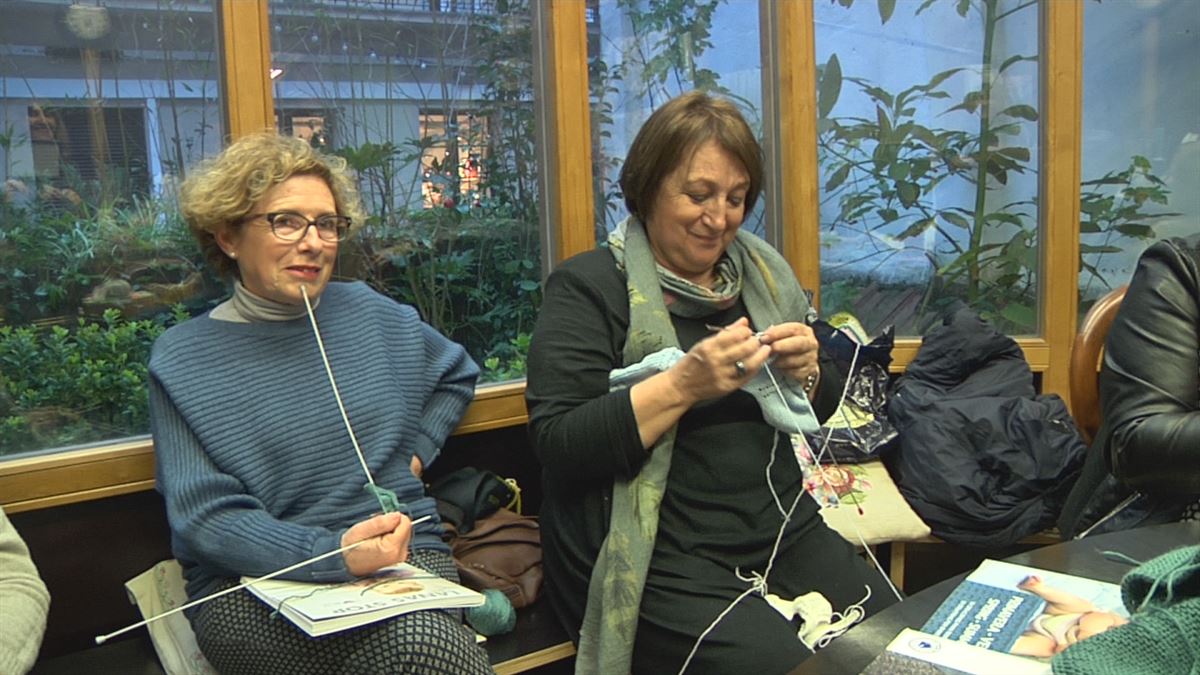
<point x="293" y="227"/>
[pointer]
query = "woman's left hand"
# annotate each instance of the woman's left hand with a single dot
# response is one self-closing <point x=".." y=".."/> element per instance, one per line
<point x="794" y="350"/>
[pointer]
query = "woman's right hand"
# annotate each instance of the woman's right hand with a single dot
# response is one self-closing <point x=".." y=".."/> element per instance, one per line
<point x="709" y="369"/>
<point x="387" y="537"/>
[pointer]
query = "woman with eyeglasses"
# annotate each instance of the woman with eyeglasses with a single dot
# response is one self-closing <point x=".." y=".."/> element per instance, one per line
<point x="254" y="458"/>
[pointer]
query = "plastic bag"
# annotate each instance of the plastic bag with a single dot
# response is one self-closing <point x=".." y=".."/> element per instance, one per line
<point x="859" y="429"/>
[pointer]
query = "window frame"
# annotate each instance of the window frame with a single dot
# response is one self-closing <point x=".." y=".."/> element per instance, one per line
<point x="54" y="479"/>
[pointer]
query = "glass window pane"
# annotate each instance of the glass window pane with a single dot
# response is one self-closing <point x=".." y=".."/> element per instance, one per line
<point x="928" y="152"/>
<point x="431" y="102"/>
<point x="1141" y="135"/>
<point x="102" y="110"/>
<point x="642" y="53"/>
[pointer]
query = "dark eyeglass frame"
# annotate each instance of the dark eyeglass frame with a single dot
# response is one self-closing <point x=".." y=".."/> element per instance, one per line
<point x="340" y="231"/>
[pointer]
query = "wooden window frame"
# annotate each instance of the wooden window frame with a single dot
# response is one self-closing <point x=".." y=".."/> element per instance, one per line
<point x="61" y="478"/>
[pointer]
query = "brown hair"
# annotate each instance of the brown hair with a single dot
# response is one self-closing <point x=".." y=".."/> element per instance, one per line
<point x="220" y="191"/>
<point x="674" y="132"/>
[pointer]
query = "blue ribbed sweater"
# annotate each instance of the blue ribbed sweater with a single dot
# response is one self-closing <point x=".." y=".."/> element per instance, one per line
<point x="253" y="458"/>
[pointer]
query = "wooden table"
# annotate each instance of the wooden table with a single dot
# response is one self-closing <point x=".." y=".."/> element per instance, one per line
<point x="850" y="653"/>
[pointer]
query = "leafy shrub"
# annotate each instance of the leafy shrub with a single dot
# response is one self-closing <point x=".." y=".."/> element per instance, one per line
<point x="46" y="256"/>
<point x="507" y="362"/>
<point x="60" y="387"/>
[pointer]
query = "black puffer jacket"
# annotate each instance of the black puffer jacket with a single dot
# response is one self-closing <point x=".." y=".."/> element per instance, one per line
<point x="982" y="459"/>
<point x="1149" y="440"/>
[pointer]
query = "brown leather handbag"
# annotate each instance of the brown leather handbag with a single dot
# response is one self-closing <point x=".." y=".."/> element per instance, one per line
<point x="503" y="551"/>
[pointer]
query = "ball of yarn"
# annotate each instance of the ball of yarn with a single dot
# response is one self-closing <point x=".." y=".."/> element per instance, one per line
<point x="495" y="616"/>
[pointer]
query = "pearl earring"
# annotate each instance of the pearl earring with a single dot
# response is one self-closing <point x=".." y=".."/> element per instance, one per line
<point x="233" y="254"/>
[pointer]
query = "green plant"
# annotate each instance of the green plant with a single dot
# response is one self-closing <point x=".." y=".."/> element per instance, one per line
<point x="9" y="140"/>
<point x="660" y="57"/>
<point x="671" y="36"/>
<point x="602" y="91"/>
<point x="890" y="173"/>
<point x="898" y="180"/>
<point x="507" y="362"/>
<point x="1113" y="207"/>
<point x="47" y="257"/>
<point x="59" y="386"/>
<point x="54" y="258"/>
<point x="467" y="254"/>
<point x="464" y="268"/>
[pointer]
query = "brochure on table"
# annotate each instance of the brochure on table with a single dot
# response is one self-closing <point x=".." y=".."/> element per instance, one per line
<point x="1005" y="618"/>
<point x="915" y="653"/>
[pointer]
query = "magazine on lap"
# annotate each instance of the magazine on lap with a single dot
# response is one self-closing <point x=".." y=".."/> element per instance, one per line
<point x="320" y="609"/>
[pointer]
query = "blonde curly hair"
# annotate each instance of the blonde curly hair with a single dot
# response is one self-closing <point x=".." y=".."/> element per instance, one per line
<point x="221" y="191"/>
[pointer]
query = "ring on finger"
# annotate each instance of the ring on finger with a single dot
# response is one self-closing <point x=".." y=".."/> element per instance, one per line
<point x="740" y="367"/>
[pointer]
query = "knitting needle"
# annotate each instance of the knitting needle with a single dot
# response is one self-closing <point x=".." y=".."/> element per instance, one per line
<point x="717" y="329"/>
<point x="101" y="639"/>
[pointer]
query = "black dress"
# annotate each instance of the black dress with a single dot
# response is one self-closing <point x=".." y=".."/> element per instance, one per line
<point x="718" y="515"/>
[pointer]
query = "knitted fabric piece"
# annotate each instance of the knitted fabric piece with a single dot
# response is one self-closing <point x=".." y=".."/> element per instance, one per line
<point x="1163" y="634"/>
<point x="786" y="408"/>
<point x="253" y="458"/>
<point x="771" y="295"/>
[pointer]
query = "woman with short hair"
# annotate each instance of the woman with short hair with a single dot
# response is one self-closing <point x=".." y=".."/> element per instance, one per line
<point x="254" y="461"/>
<point x="667" y="465"/>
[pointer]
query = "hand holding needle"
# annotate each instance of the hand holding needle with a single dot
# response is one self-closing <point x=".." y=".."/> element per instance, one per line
<point x="101" y="639"/>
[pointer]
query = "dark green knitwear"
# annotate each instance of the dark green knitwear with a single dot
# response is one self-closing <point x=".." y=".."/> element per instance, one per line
<point x="1163" y="635"/>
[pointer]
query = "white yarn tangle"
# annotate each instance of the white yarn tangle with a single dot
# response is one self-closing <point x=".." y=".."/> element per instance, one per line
<point x="758" y="581"/>
<point x="819" y="624"/>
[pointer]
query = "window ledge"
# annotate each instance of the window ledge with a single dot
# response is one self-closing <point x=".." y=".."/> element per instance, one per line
<point x="59" y="478"/>
<point x="95" y="473"/>
<point x="1037" y="353"/>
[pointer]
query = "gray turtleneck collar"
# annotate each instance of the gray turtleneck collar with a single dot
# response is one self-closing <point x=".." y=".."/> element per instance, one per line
<point x="246" y="307"/>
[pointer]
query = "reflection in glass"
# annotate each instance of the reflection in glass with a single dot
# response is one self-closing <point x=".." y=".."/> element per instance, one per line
<point x="432" y="104"/>
<point x="642" y="53"/>
<point x="928" y="150"/>
<point x="1141" y="136"/>
<point x="102" y="110"/>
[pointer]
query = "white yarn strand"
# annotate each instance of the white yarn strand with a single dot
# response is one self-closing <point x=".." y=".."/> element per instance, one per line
<point x="770" y="484"/>
<point x="825" y="446"/>
<point x="759" y="582"/>
<point x="312" y="319"/>
<point x="713" y="625"/>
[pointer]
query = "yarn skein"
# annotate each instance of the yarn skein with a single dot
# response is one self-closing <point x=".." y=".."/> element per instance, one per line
<point x="495" y="616"/>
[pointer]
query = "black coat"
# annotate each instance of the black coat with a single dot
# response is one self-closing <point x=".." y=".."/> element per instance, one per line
<point x="1144" y="465"/>
<point x="982" y="458"/>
